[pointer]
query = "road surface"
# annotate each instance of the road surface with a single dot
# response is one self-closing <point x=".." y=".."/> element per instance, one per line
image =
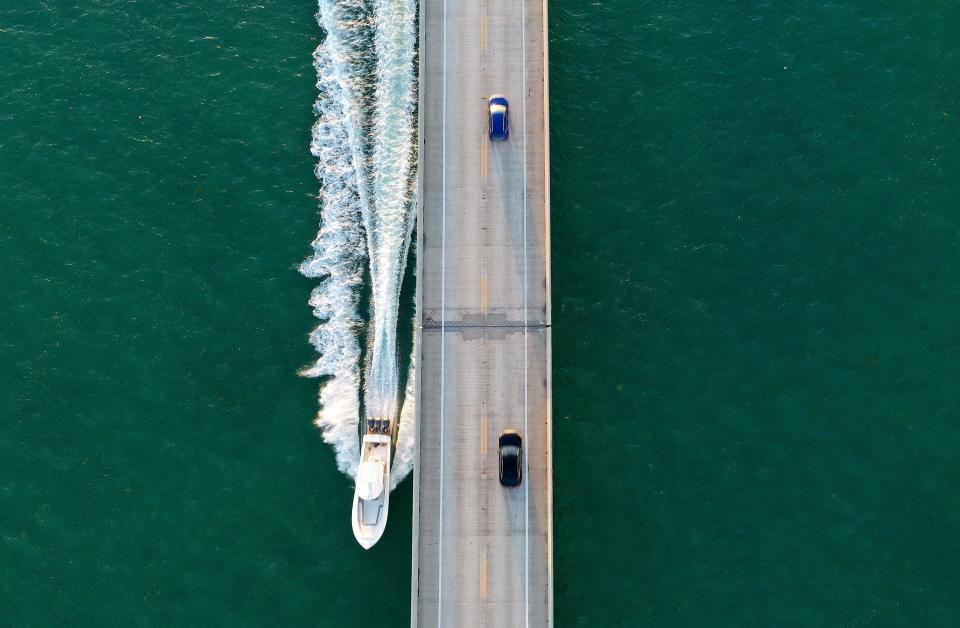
<point x="482" y="553"/>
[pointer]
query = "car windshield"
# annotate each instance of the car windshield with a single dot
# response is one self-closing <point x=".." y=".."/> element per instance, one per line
<point x="511" y="450"/>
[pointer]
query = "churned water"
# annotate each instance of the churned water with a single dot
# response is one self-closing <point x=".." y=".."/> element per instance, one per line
<point x="756" y="281"/>
<point x="364" y="144"/>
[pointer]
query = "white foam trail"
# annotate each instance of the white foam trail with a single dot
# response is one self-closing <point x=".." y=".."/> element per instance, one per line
<point x="364" y="143"/>
<point x="403" y="459"/>
<point x="392" y="216"/>
<point x="339" y="246"/>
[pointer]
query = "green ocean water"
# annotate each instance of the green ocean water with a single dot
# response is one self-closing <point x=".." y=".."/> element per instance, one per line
<point x="756" y="348"/>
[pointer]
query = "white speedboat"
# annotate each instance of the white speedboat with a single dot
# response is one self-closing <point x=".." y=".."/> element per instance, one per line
<point x="372" y="493"/>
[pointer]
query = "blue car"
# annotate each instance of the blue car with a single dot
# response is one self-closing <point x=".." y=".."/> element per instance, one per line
<point x="499" y="118"/>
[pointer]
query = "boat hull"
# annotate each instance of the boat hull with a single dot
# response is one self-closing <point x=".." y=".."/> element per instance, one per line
<point x="369" y="516"/>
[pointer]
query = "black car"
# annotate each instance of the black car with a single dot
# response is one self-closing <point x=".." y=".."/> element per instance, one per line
<point x="511" y="458"/>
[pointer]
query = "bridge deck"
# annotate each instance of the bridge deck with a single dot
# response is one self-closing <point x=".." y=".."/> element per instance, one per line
<point x="482" y="553"/>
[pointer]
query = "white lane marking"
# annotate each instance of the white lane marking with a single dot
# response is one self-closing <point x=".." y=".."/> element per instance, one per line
<point x="443" y="305"/>
<point x="526" y="431"/>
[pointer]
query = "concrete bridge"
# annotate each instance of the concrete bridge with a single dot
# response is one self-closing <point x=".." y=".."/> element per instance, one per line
<point x="482" y="553"/>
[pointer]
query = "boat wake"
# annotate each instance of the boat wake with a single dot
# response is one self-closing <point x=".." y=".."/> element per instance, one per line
<point x="364" y="142"/>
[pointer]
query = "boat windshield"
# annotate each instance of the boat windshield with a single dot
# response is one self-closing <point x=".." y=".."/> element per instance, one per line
<point x="370" y="479"/>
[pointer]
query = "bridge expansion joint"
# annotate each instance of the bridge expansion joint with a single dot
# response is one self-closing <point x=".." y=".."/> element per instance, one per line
<point x="432" y="325"/>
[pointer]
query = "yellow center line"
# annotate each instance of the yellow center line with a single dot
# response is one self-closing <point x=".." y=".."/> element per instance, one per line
<point x="483" y="157"/>
<point x="483" y="576"/>
<point x="484" y="288"/>
<point x="483" y="32"/>
<point x="483" y="435"/>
